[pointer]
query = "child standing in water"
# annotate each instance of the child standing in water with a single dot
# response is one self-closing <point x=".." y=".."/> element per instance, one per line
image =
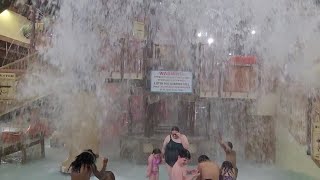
<point x="154" y="161"/>
<point x="85" y="165"/>
<point x="179" y="169"/>
<point x="227" y="171"/>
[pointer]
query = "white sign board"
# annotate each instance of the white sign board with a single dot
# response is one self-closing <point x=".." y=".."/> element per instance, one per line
<point x="171" y="81"/>
<point x="7" y="85"/>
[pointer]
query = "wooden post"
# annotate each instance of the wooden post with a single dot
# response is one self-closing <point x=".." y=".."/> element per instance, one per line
<point x="130" y="115"/>
<point x="146" y="115"/>
<point x="33" y="30"/>
<point x="192" y="112"/>
<point x="24" y="153"/>
<point x="309" y="126"/>
<point x="149" y="119"/>
<point x="122" y="52"/>
<point x="35" y="8"/>
<point x="42" y="146"/>
<point x="209" y="122"/>
<point x="0" y="154"/>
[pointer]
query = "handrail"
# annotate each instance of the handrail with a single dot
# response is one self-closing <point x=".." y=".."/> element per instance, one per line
<point x="21" y="64"/>
<point x="19" y="104"/>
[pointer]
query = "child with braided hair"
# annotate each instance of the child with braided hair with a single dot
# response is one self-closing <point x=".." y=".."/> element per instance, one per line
<point x="227" y="171"/>
<point x="84" y="166"/>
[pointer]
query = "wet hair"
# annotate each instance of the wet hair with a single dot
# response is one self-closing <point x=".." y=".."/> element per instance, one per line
<point x="87" y="157"/>
<point x="156" y="151"/>
<point x="175" y="128"/>
<point x="184" y="153"/>
<point x="230" y="145"/>
<point x="226" y="167"/>
<point x="203" y="158"/>
<point x="108" y="175"/>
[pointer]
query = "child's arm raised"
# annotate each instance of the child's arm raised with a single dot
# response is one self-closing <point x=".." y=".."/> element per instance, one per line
<point x="99" y="174"/>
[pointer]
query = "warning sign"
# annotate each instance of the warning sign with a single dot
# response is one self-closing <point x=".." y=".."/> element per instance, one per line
<point x="7" y="85"/>
<point x="171" y="81"/>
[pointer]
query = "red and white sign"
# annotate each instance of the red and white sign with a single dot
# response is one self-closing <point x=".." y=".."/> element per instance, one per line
<point x="171" y="81"/>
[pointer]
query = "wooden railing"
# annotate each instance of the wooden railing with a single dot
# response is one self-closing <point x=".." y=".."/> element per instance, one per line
<point x="21" y="64"/>
<point x="13" y="105"/>
<point x="18" y="67"/>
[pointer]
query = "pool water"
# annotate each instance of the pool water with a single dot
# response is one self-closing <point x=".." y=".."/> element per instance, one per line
<point x="48" y="169"/>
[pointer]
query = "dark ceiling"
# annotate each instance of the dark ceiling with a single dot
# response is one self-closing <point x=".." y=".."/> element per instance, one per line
<point x="5" y="4"/>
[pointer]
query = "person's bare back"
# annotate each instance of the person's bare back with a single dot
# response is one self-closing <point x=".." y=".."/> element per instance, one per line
<point x="179" y="169"/>
<point x="232" y="157"/>
<point x="178" y="172"/>
<point x="208" y="170"/>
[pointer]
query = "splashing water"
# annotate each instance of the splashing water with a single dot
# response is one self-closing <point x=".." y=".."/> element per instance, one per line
<point x="87" y="34"/>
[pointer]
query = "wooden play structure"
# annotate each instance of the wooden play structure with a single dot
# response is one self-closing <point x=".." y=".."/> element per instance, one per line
<point x="14" y="140"/>
<point x="219" y="85"/>
<point x="17" y="55"/>
<point x="14" y="137"/>
<point x="20" y="135"/>
<point x="315" y="130"/>
<point x="235" y="80"/>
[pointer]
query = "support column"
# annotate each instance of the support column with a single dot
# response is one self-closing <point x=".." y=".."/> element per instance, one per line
<point x="42" y="144"/>
<point x="24" y="153"/>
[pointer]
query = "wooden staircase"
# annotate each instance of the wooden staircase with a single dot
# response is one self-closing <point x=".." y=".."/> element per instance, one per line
<point x="19" y="68"/>
<point x="12" y="142"/>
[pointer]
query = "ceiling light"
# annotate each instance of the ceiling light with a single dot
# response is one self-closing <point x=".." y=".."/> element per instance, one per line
<point x="210" y="41"/>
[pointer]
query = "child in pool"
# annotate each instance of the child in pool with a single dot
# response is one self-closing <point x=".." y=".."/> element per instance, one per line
<point x="227" y="171"/>
<point x="108" y="175"/>
<point x="179" y="169"/>
<point x="84" y="166"/>
<point x="154" y="161"/>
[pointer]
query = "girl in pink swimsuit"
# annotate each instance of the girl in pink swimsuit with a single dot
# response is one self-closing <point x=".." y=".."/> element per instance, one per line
<point x="154" y="161"/>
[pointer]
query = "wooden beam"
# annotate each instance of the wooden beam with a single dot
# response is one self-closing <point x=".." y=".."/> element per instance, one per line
<point x="18" y="72"/>
<point x="13" y="51"/>
<point x="4" y="61"/>
<point x="16" y="42"/>
<point x="23" y="103"/>
<point x="10" y="58"/>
